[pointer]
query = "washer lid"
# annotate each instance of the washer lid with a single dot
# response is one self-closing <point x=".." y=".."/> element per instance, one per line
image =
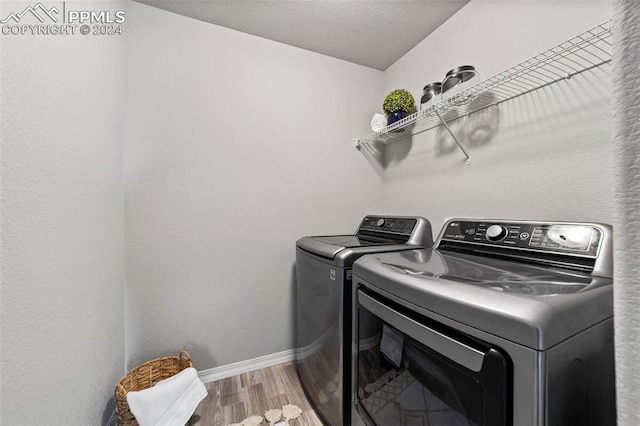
<point x="330" y="245"/>
<point x="535" y="306"/>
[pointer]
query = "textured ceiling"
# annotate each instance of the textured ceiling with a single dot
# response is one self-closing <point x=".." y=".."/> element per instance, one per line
<point x="374" y="33"/>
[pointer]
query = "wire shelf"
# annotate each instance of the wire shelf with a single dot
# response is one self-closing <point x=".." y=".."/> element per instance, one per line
<point x="581" y="53"/>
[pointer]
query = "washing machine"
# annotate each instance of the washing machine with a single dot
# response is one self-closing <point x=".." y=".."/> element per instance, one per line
<point x="502" y="322"/>
<point x="324" y="300"/>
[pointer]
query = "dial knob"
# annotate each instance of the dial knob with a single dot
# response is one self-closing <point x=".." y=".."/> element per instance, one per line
<point x="496" y="232"/>
<point x="380" y="223"/>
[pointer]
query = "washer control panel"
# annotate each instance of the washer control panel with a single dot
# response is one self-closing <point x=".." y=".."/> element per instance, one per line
<point x="565" y="238"/>
<point x="397" y="225"/>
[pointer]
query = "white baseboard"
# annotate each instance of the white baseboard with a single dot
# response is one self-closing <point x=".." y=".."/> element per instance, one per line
<point x="230" y="370"/>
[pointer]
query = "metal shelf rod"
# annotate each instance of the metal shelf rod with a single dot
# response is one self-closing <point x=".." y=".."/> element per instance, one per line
<point x="446" y="126"/>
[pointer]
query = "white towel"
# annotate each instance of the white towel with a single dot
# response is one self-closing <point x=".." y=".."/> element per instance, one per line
<point x="378" y="122"/>
<point x="171" y="402"/>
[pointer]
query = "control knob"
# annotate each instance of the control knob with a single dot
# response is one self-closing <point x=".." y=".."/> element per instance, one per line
<point x="496" y="232"/>
<point x="380" y="223"/>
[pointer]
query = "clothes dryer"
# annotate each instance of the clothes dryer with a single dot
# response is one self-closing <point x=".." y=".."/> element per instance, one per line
<point x="502" y="323"/>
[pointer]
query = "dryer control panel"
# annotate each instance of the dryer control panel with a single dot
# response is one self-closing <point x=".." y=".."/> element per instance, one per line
<point x="561" y="238"/>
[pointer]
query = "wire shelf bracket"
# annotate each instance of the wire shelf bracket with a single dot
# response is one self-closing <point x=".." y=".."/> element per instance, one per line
<point x="446" y="126"/>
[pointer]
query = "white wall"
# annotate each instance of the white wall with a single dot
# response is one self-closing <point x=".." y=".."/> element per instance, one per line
<point x="626" y="102"/>
<point x="546" y="155"/>
<point x="235" y="147"/>
<point x="62" y="209"/>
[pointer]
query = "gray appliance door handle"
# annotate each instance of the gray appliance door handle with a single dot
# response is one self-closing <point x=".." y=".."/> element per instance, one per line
<point x="459" y="352"/>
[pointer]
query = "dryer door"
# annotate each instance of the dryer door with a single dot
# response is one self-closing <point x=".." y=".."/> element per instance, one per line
<point x="411" y="370"/>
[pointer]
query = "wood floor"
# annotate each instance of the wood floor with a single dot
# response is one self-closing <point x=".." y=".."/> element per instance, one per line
<point x="236" y="398"/>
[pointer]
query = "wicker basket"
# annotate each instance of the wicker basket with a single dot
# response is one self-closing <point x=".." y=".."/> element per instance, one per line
<point x="144" y="376"/>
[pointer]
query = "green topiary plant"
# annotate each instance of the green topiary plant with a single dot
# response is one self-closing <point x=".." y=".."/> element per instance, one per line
<point x="398" y="100"/>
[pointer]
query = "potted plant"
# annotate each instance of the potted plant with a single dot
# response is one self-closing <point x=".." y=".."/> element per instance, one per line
<point x="397" y="105"/>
